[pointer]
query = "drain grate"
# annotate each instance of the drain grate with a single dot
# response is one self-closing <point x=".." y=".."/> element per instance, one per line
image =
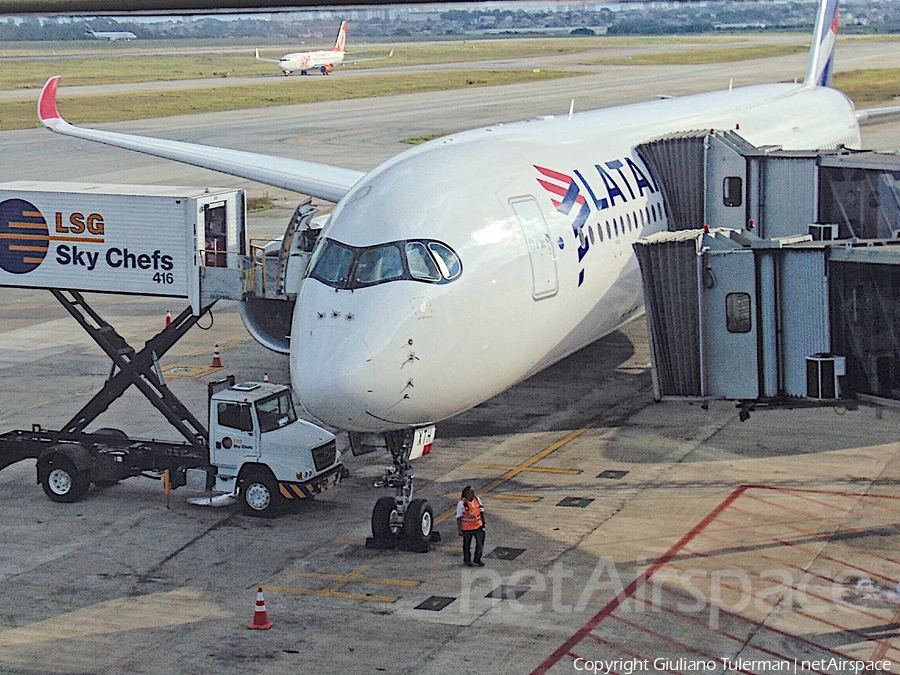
<point x="435" y="603"/>
<point x="508" y="592"/>
<point x="613" y="474"/>
<point x="504" y="553"/>
<point x="576" y="502"/>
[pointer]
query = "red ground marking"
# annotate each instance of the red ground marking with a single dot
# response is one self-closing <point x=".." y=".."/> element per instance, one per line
<point x="567" y="648"/>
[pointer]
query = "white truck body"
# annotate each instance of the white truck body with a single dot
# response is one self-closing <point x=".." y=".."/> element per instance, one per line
<point x="131" y="239"/>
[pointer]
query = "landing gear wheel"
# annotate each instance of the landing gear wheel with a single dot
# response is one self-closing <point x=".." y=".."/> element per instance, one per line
<point x="417" y="524"/>
<point x="324" y="70"/>
<point x="62" y="482"/>
<point x="259" y="494"/>
<point x="382" y="530"/>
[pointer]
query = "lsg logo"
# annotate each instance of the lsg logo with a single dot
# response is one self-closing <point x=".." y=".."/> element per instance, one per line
<point x="25" y="236"/>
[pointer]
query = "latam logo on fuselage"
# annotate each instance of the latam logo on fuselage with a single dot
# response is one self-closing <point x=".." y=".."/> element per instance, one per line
<point x="603" y="191"/>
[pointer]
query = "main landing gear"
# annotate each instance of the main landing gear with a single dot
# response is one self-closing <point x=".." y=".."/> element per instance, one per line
<point x="400" y="521"/>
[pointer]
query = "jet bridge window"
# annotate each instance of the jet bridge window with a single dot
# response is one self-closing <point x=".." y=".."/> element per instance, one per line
<point x="737" y="313"/>
<point x="349" y="267"/>
<point x="732" y="191"/>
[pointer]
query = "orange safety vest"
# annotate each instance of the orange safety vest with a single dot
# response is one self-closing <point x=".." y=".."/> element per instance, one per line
<point x="471" y="517"/>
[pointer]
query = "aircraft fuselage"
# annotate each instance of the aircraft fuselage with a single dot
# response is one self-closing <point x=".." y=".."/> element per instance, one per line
<point x="542" y="216"/>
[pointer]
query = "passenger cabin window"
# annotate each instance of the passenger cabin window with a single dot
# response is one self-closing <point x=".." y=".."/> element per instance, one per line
<point x="235" y="416"/>
<point x="737" y="313"/>
<point x="732" y="191"/>
<point x="275" y="412"/>
<point x="349" y="267"/>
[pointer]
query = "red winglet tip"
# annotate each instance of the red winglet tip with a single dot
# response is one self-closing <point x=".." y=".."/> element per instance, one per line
<point x="47" y="103"/>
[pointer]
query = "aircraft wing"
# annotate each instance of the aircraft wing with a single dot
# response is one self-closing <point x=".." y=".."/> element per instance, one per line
<point x="316" y="180"/>
<point x="259" y="58"/>
<point x="375" y="58"/>
<point x="878" y="115"/>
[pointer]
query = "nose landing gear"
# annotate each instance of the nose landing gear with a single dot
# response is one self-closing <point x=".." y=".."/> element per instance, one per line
<point x="401" y="521"/>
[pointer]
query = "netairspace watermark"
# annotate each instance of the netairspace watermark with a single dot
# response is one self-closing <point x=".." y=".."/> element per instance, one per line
<point x="737" y="664"/>
<point x="703" y="593"/>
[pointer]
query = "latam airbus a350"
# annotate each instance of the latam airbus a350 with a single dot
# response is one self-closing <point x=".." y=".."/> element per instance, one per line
<point x="463" y="266"/>
<point x="323" y="60"/>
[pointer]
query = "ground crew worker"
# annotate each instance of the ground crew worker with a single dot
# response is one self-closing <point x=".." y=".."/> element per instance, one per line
<point x="469" y="524"/>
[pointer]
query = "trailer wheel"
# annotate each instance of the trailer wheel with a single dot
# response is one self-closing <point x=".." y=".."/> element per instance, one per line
<point x="62" y="482"/>
<point x="259" y="494"/>
<point x="417" y="524"/>
<point x="385" y="509"/>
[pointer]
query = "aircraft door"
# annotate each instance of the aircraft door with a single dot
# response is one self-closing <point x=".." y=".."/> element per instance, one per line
<point x="540" y="246"/>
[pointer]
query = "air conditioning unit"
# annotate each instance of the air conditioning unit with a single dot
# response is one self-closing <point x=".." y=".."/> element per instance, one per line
<point x="822" y="373"/>
<point x="824" y="232"/>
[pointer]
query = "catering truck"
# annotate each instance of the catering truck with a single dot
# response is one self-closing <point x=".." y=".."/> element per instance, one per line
<point x="257" y="451"/>
<point x="179" y="242"/>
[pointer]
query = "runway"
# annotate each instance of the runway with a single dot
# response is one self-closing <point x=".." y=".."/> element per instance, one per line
<point x="643" y="536"/>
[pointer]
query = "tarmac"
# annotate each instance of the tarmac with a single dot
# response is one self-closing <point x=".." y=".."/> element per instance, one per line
<point x="623" y="535"/>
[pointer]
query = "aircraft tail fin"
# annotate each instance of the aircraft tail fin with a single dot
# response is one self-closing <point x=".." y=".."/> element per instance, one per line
<point x="340" y="43"/>
<point x="821" y="53"/>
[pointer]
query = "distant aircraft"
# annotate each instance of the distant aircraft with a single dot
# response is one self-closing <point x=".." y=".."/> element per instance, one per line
<point x="111" y="35"/>
<point x="462" y="266"/>
<point x="323" y="60"/>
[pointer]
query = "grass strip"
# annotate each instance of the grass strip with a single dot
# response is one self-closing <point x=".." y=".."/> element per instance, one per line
<point x="119" y="107"/>
<point x="702" y="56"/>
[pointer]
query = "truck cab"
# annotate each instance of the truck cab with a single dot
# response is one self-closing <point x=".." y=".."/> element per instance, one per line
<point x="262" y="452"/>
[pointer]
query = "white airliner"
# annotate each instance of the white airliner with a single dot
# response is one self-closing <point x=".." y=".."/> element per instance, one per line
<point x="323" y="60"/>
<point x="462" y="266"/>
<point x="111" y="35"/>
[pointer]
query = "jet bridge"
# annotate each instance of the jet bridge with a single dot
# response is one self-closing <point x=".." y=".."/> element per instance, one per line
<point x="779" y="280"/>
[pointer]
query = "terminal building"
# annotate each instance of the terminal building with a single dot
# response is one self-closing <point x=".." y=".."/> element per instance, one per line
<point x="778" y="281"/>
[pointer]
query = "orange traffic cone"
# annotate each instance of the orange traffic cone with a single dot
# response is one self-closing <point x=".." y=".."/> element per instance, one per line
<point x="265" y="377"/>
<point x="168" y="318"/>
<point x="260" y="617"/>
<point x="217" y="360"/>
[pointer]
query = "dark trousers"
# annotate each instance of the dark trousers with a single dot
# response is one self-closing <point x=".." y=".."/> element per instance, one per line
<point x="468" y="535"/>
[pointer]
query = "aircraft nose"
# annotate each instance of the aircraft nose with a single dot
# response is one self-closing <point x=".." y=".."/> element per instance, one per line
<point x="334" y="376"/>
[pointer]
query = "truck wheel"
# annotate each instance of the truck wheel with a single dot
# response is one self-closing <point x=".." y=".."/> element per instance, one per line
<point x="62" y="482"/>
<point x="417" y="524"/>
<point x="382" y="530"/>
<point x="259" y="494"/>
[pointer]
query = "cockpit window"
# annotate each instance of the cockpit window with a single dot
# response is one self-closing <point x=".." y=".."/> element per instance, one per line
<point x="378" y="264"/>
<point x="333" y="263"/>
<point x="350" y="267"/>
<point x="421" y="264"/>
<point x="446" y="259"/>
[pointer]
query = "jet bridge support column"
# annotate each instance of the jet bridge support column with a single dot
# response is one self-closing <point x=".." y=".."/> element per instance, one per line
<point x="134" y="367"/>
